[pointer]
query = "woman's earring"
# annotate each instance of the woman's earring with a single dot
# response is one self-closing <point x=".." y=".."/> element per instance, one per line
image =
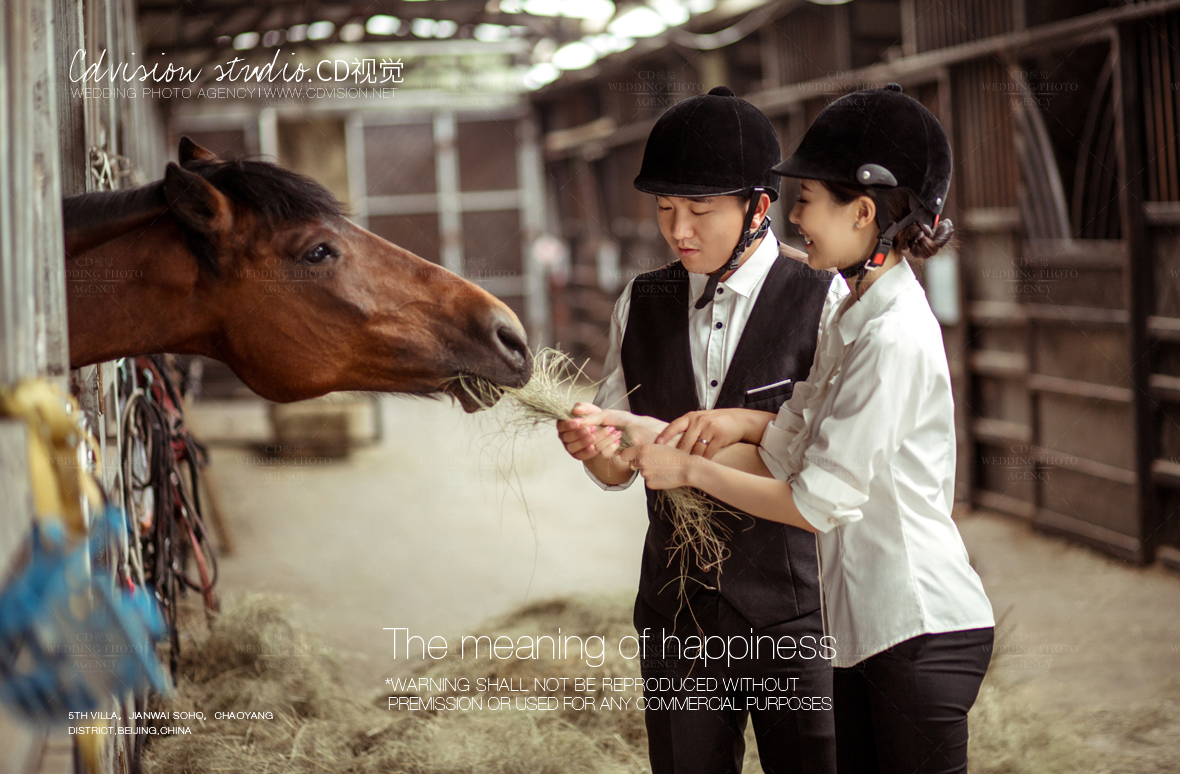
<point x="856" y="225"/>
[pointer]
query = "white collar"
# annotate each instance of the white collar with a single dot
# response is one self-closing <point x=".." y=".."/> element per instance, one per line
<point x="883" y="290"/>
<point x="747" y="276"/>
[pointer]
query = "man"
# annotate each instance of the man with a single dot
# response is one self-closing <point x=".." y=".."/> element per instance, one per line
<point x="722" y="327"/>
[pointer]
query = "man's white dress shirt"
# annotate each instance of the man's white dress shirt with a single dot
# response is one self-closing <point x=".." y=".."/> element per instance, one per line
<point x="713" y="332"/>
<point x="868" y="446"/>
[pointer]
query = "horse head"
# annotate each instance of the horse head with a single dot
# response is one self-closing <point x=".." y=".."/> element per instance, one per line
<point x="297" y="299"/>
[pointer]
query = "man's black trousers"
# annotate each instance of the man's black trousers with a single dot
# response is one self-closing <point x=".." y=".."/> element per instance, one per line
<point x="793" y="720"/>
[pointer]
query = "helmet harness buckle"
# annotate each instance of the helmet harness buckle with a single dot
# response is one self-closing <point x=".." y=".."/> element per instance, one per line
<point x="747" y="238"/>
<point x="878" y="178"/>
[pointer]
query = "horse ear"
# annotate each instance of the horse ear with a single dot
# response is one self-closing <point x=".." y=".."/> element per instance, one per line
<point x="190" y="151"/>
<point x="195" y="202"/>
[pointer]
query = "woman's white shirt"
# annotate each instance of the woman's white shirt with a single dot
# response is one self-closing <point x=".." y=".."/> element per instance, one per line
<point x="868" y="446"/>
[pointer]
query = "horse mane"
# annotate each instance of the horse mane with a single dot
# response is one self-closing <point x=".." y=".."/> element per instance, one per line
<point x="275" y="194"/>
<point x="97" y="207"/>
<point x="278" y="195"/>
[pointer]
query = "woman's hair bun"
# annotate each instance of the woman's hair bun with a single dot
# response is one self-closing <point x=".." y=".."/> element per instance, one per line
<point x="921" y="241"/>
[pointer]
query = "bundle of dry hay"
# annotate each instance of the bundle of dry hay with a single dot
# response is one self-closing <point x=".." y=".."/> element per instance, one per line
<point x="548" y="397"/>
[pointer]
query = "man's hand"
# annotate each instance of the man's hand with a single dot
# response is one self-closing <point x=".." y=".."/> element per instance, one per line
<point x="704" y="433"/>
<point x="587" y="441"/>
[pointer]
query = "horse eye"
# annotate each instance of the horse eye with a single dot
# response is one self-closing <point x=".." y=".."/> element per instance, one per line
<point x="318" y="254"/>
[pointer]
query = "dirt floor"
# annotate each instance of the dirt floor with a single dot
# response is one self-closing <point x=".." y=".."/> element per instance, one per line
<point x="1082" y="627"/>
<point x="422" y="532"/>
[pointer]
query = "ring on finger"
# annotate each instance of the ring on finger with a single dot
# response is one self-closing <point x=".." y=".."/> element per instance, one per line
<point x="702" y="441"/>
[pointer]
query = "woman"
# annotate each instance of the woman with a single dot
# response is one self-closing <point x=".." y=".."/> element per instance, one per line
<point x="864" y="452"/>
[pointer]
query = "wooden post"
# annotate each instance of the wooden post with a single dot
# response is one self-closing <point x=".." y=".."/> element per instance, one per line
<point x="53" y="351"/>
<point x="268" y="134"/>
<point x="32" y="270"/>
<point x="450" y="219"/>
<point x="909" y="31"/>
<point x="71" y="111"/>
<point x="529" y="174"/>
<point x="772" y="65"/>
<point x="1139" y="275"/>
<point x="358" y="188"/>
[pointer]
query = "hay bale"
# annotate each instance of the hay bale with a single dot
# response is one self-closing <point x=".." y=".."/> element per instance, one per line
<point x="255" y="659"/>
<point x="328" y="426"/>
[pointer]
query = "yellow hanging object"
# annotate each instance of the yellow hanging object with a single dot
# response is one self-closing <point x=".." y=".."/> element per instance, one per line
<point x="57" y="445"/>
<point x="60" y="481"/>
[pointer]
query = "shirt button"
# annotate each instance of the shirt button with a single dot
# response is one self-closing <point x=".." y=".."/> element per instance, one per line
<point x="720" y="291"/>
<point x="713" y="383"/>
<point x="718" y="326"/>
<point x="833" y="520"/>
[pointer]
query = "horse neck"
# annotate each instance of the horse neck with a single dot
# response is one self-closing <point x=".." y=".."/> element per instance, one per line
<point x="90" y="219"/>
<point x="137" y="294"/>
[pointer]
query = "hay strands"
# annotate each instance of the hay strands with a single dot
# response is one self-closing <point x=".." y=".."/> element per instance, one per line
<point x="549" y="396"/>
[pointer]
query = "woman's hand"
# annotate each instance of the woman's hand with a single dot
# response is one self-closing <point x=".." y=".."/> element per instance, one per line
<point x="585" y="442"/>
<point x="662" y="466"/>
<point x="639" y="429"/>
<point x="704" y="433"/>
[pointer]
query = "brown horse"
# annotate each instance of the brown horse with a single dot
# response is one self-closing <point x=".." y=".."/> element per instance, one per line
<point x="256" y="266"/>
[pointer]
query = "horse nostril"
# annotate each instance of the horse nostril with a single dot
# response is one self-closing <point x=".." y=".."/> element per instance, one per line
<point x="512" y="344"/>
<point x="507" y="339"/>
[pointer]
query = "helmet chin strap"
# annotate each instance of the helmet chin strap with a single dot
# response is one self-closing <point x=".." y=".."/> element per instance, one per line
<point x="735" y="259"/>
<point x="888" y="229"/>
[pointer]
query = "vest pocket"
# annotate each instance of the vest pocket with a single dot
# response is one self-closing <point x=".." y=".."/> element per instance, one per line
<point x="776" y="392"/>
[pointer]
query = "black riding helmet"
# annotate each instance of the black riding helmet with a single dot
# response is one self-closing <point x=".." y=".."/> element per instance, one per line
<point x="881" y="139"/>
<point x="714" y="144"/>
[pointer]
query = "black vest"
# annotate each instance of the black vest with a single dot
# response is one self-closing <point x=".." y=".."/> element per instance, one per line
<point x="771" y="574"/>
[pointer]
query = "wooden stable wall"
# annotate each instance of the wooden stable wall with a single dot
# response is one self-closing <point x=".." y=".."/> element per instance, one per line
<point x="56" y="140"/>
<point x="1157" y="72"/>
<point x="52" y="143"/>
<point x="108" y="138"/>
<point x="1063" y="116"/>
